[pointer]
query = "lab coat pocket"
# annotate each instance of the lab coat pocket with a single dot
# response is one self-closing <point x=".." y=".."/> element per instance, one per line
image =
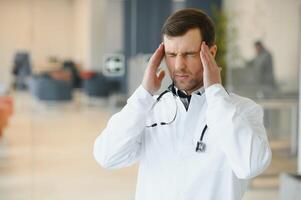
<point x="160" y="141"/>
<point x="211" y="159"/>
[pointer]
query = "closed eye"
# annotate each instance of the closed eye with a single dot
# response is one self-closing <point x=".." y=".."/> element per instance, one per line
<point x="191" y="54"/>
<point x="170" y="54"/>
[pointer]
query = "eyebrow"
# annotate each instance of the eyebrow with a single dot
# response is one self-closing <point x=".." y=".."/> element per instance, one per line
<point x="169" y="52"/>
<point x="185" y="53"/>
<point x="190" y="52"/>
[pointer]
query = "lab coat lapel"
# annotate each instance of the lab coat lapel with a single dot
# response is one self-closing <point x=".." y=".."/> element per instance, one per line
<point x="193" y="120"/>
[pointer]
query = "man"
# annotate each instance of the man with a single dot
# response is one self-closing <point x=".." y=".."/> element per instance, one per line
<point x="263" y="66"/>
<point x="21" y="70"/>
<point x="194" y="141"/>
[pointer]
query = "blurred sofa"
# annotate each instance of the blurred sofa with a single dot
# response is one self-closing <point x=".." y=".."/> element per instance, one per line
<point x="47" y="88"/>
<point x="95" y="85"/>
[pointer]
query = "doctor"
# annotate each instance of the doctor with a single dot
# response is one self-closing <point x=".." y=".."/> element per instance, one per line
<point x="194" y="141"/>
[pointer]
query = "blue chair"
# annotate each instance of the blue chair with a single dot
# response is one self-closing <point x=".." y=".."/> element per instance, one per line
<point x="96" y="86"/>
<point x="46" y="88"/>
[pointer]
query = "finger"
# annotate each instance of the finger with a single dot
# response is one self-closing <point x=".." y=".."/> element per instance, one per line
<point x="156" y="58"/>
<point x="210" y="57"/>
<point x="207" y="55"/>
<point x="210" y="54"/>
<point x="203" y="56"/>
<point x="161" y="75"/>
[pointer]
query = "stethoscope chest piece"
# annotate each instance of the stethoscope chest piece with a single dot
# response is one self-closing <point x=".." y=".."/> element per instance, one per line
<point x="200" y="147"/>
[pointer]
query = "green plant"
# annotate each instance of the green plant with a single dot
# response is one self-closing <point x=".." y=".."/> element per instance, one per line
<point x="221" y="21"/>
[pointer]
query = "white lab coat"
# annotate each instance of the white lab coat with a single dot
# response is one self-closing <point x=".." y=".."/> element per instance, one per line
<point x="169" y="167"/>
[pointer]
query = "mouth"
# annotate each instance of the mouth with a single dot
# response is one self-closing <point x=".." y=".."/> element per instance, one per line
<point x="181" y="76"/>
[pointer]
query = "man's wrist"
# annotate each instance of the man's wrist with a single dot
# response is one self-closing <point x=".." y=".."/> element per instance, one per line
<point x="215" y="90"/>
<point x="147" y="89"/>
<point x="141" y="99"/>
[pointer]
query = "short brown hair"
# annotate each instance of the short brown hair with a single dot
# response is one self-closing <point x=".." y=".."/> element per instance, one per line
<point x="183" y="20"/>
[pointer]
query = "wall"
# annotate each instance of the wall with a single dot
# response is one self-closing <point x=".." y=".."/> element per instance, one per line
<point x="82" y="30"/>
<point x="113" y="28"/>
<point x="43" y="27"/>
<point x="106" y="30"/>
<point x="276" y="22"/>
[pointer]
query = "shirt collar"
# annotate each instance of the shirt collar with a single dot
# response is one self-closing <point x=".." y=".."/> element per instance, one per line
<point x="199" y="91"/>
<point x="185" y="99"/>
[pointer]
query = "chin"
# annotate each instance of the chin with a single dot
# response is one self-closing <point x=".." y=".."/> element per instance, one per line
<point x="181" y="86"/>
<point x="186" y="86"/>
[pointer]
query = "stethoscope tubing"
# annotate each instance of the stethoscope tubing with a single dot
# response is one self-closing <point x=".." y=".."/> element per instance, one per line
<point x="201" y="146"/>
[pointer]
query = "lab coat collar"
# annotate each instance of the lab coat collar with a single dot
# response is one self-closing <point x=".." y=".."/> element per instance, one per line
<point x="199" y="91"/>
<point x="185" y="99"/>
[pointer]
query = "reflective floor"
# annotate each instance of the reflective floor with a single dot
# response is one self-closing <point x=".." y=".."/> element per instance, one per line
<point x="46" y="154"/>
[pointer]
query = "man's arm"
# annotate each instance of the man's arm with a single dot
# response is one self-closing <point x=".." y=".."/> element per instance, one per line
<point x="119" y="145"/>
<point x="237" y="125"/>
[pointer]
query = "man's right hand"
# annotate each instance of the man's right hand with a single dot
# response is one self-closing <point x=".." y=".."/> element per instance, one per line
<point x="151" y="79"/>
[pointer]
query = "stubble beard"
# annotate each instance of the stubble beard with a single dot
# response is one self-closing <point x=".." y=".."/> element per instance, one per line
<point x="189" y="86"/>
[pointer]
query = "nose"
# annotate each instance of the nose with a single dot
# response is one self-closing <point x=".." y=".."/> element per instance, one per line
<point x="180" y="63"/>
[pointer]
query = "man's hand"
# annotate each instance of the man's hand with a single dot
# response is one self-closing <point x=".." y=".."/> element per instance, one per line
<point x="211" y="72"/>
<point x="152" y="80"/>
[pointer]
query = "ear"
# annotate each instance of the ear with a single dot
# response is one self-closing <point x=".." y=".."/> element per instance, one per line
<point x="213" y="50"/>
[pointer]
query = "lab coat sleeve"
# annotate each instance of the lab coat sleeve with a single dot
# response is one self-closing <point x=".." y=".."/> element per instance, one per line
<point x="119" y="144"/>
<point x="237" y="125"/>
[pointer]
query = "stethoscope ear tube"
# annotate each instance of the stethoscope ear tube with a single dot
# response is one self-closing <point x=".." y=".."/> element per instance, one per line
<point x="157" y="101"/>
<point x="201" y="146"/>
<point x="161" y="95"/>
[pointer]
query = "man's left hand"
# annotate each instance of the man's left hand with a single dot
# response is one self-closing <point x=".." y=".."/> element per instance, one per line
<point x="211" y="72"/>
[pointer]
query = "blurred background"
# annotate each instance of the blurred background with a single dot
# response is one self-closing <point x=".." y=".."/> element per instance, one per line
<point x="67" y="65"/>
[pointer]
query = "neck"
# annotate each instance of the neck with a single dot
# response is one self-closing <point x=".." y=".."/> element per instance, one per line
<point x="190" y="91"/>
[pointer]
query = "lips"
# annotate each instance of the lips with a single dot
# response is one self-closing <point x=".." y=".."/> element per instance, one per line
<point x="181" y="76"/>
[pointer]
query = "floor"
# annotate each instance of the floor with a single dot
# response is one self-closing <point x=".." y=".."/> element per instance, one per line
<point x="46" y="154"/>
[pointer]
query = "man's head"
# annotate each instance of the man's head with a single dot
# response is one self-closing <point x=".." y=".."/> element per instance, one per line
<point x="182" y="34"/>
<point x="258" y="46"/>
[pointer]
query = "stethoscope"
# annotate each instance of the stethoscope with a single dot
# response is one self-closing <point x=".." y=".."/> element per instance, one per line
<point x="201" y="145"/>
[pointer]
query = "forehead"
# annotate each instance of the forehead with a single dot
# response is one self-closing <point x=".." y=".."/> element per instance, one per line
<point x="190" y="41"/>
